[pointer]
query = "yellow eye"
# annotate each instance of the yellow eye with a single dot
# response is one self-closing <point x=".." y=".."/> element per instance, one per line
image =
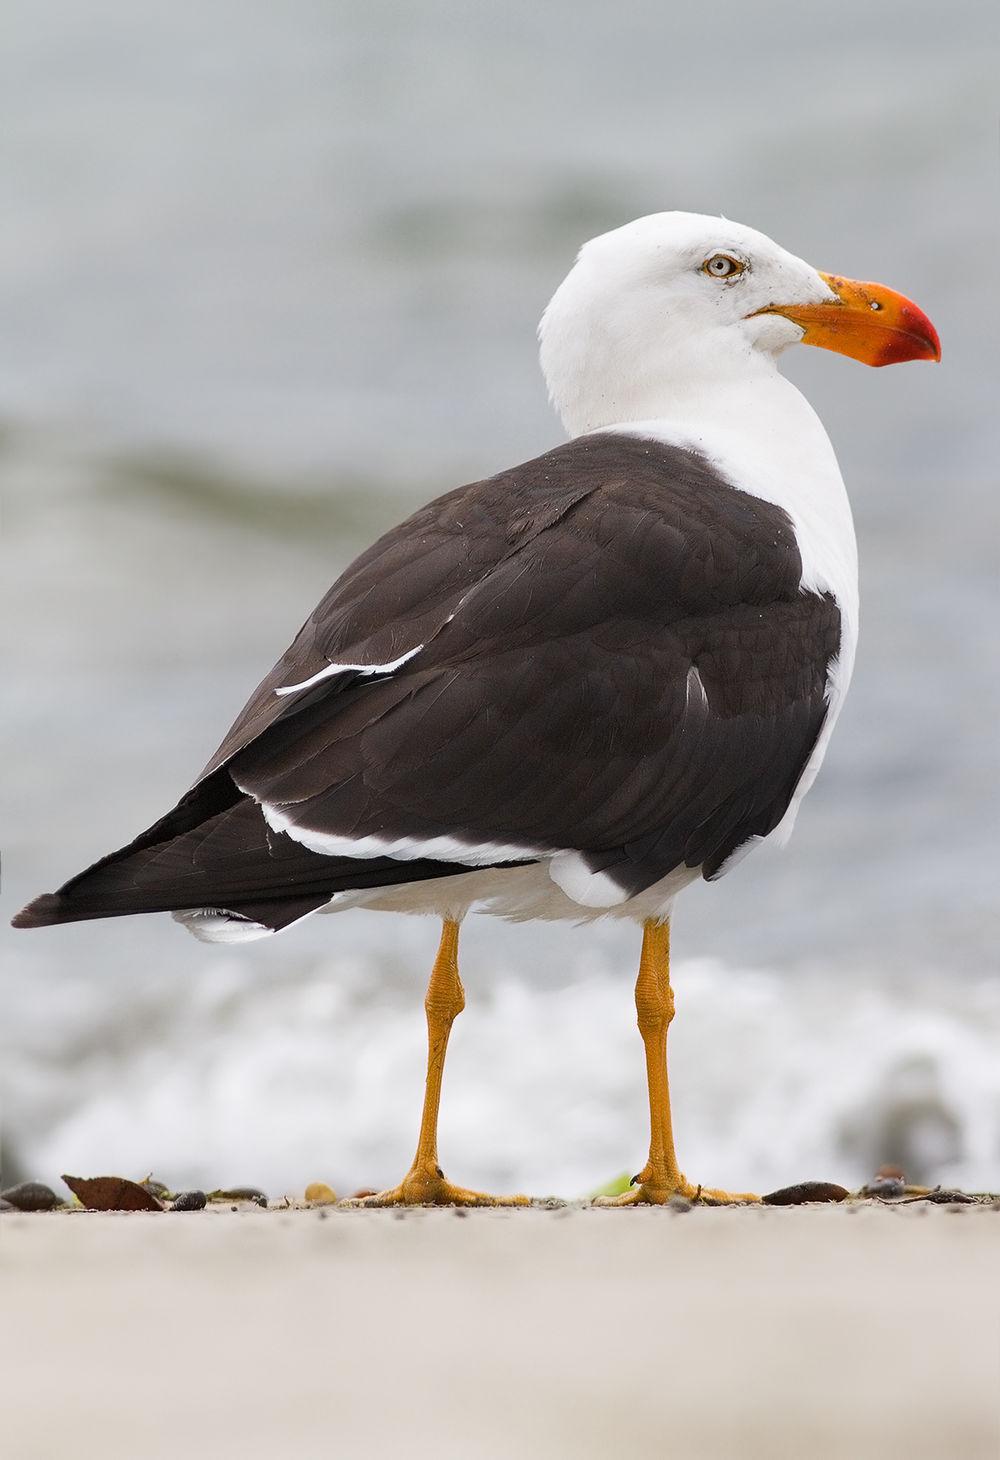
<point x="723" y="266"/>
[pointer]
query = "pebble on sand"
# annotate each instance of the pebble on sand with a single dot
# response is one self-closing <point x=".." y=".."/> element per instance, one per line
<point x="31" y="1196"/>
<point x="318" y="1194"/>
<point x="189" y="1201"/>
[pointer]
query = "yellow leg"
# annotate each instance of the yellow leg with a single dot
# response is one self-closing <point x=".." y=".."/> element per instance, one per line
<point x="424" y="1183"/>
<point x="660" y="1178"/>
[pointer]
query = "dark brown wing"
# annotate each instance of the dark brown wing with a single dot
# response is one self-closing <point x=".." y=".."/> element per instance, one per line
<point x="628" y="670"/>
<point x="401" y="591"/>
<point x="615" y="657"/>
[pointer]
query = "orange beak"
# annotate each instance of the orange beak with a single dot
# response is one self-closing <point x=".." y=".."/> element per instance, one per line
<point x="866" y="321"/>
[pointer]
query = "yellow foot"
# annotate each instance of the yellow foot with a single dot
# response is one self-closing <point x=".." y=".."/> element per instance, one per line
<point x="429" y="1188"/>
<point x="647" y="1192"/>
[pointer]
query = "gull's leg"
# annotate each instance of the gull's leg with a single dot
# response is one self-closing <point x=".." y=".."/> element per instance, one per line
<point x="660" y="1178"/>
<point x="424" y="1183"/>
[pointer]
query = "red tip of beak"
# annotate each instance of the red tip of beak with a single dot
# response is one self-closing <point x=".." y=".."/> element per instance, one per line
<point x="915" y="329"/>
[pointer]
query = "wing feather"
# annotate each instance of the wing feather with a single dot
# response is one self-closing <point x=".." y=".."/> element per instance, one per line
<point x="564" y="609"/>
<point x="550" y="706"/>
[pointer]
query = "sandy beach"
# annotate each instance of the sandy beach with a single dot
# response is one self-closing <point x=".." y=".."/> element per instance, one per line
<point x="730" y="1334"/>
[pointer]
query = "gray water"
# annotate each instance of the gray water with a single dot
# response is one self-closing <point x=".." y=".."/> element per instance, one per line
<point x="269" y="277"/>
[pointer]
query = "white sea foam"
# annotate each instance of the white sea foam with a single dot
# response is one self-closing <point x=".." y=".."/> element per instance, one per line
<point x="319" y="1075"/>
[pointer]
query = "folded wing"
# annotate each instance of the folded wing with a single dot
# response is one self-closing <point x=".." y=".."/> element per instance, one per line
<point x="605" y="651"/>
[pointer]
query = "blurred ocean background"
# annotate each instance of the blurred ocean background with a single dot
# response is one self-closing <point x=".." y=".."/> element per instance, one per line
<point x="269" y="278"/>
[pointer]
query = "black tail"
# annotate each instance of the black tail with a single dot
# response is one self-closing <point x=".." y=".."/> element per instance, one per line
<point x="215" y="850"/>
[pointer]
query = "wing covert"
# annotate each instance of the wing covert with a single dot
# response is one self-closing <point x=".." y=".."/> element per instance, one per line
<point x="617" y="659"/>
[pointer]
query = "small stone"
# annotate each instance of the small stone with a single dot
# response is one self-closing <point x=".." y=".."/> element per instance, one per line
<point x="31" y="1196"/>
<point x="460" y="1211"/>
<point x="318" y="1194"/>
<point x="189" y="1201"/>
<point x="680" y="1204"/>
<point x="886" y="1188"/>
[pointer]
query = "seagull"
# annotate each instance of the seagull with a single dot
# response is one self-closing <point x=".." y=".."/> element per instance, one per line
<point x="569" y="690"/>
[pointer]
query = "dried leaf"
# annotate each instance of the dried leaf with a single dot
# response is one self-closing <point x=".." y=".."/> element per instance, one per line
<point x="805" y="1191"/>
<point x="617" y="1186"/>
<point x="112" y="1194"/>
<point x="239" y="1193"/>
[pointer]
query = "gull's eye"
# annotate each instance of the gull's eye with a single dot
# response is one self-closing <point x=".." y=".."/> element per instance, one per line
<point x="723" y="266"/>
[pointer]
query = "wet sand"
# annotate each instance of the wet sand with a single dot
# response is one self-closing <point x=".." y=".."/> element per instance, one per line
<point x="734" y="1334"/>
